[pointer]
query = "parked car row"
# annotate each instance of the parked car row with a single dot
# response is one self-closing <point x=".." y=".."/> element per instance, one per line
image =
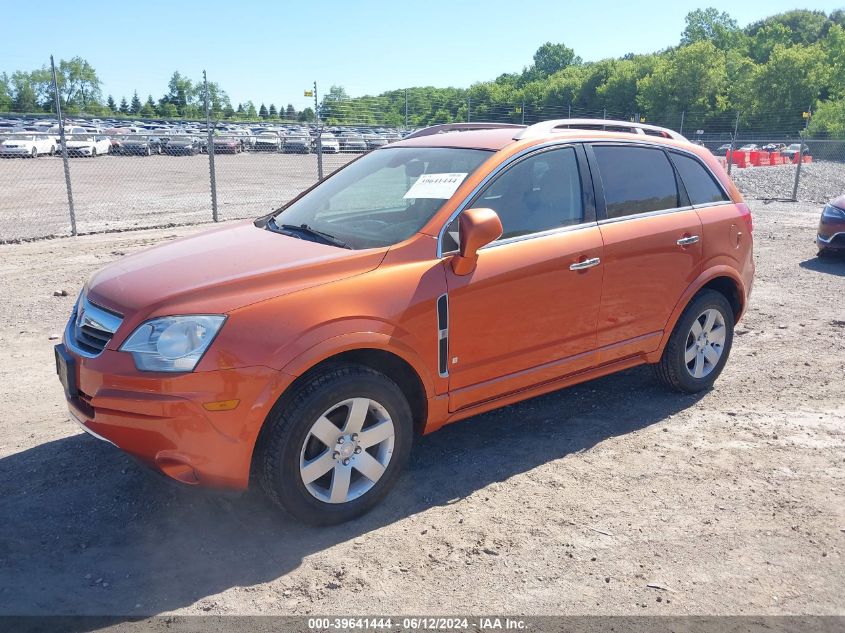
<point x="35" y="138"/>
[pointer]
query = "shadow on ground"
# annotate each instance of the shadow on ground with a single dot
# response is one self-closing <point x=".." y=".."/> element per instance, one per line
<point x="88" y="531"/>
<point x="832" y="264"/>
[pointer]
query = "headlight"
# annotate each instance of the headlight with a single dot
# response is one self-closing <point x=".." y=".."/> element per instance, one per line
<point x="833" y="213"/>
<point x="174" y="343"/>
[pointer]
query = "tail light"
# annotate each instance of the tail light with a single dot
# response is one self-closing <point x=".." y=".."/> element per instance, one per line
<point x="745" y="213"/>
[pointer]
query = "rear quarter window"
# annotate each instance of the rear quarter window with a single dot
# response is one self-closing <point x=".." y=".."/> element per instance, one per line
<point x="699" y="183"/>
<point x="636" y="180"/>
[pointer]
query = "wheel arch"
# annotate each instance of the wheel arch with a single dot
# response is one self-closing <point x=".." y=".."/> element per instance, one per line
<point x="386" y="361"/>
<point x="724" y="280"/>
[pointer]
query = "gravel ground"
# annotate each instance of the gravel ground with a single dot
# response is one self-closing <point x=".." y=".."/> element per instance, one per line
<point x="613" y="497"/>
<point x="820" y="181"/>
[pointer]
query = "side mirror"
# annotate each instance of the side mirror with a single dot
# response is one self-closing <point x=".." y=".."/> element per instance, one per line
<point x="478" y="227"/>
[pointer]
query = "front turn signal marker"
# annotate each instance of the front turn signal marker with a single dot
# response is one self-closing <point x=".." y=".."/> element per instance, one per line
<point x="221" y="405"/>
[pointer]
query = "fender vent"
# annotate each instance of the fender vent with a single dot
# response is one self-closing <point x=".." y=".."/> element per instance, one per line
<point x="443" y="334"/>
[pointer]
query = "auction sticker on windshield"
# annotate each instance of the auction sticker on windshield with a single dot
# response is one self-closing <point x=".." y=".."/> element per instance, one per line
<point x="440" y="186"/>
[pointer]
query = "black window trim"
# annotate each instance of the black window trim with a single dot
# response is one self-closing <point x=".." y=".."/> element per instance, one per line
<point x="601" y="206"/>
<point x="708" y="171"/>
<point x="588" y="195"/>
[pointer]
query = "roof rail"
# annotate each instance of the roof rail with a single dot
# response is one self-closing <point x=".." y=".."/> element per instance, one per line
<point x="461" y="127"/>
<point x="547" y="127"/>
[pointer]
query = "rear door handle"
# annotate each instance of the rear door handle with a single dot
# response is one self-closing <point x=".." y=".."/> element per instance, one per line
<point x="587" y="263"/>
<point x="687" y="241"/>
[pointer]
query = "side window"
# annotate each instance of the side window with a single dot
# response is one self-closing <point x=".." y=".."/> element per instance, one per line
<point x="699" y="183"/>
<point x="636" y="180"/>
<point x="539" y="193"/>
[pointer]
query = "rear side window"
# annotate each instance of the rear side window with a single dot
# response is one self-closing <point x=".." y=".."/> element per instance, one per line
<point x="700" y="186"/>
<point x="636" y="180"/>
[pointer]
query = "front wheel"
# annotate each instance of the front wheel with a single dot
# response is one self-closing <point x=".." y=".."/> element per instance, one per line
<point x="337" y="446"/>
<point x="93" y="152"/>
<point x="699" y="345"/>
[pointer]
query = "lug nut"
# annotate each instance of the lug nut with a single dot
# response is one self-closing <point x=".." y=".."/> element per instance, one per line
<point x="354" y="437"/>
<point x="357" y="449"/>
<point x="346" y="462"/>
<point x="340" y="440"/>
<point x="336" y="455"/>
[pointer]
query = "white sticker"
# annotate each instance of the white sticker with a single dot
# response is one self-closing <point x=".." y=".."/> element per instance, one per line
<point x="440" y="186"/>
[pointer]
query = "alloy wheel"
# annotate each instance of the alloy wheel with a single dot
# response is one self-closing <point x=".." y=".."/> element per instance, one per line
<point x="705" y="343"/>
<point x="347" y="450"/>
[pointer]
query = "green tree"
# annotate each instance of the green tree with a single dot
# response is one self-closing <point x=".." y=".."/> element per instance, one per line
<point x="124" y="107"/>
<point x="5" y="93"/>
<point x="148" y="110"/>
<point x="78" y="82"/>
<point x="180" y="92"/>
<point x="306" y="116"/>
<point x="111" y="105"/>
<point x="550" y="58"/>
<point x="135" y="108"/>
<point x="250" y="110"/>
<point x="829" y="119"/>
<point x="24" y="99"/>
<point x="290" y="112"/>
<point x="711" y="25"/>
<point x="262" y="112"/>
<point x="272" y="112"/>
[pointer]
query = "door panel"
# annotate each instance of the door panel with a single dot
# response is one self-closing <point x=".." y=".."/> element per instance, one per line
<point x="523" y="316"/>
<point x="646" y="271"/>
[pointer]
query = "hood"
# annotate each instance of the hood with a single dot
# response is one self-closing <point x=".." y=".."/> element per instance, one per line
<point x="839" y="202"/>
<point x="220" y="270"/>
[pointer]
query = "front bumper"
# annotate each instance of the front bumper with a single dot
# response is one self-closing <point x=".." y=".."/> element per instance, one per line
<point x="831" y="241"/>
<point x="160" y="418"/>
<point x="15" y="151"/>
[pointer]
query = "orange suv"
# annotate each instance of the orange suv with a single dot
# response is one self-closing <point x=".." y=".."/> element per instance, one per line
<point x="459" y="270"/>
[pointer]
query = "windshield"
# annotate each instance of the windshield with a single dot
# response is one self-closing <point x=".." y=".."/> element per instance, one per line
<point x="386" y="196"/>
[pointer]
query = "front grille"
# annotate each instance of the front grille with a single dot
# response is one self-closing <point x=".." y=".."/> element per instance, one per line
<point x="91" y="328"/>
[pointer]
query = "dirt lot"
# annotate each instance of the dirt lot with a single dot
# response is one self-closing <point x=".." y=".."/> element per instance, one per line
<point x="732" y="502"/>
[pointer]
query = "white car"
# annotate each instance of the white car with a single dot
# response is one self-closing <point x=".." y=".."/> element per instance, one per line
<point x="30" y="145"/>
<point x="329" y="143"/>
<point x="87" y="145"/>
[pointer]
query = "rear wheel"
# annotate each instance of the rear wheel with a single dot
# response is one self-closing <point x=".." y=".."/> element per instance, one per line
<point x="337" y="446"/>
<point x="93" y="152"/>
<point x="34" y="153"/>
<point x="699" y="345"/>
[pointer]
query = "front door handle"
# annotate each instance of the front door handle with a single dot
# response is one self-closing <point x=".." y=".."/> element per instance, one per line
<point x="687" y="241"/>
<point x="587" y="263"/>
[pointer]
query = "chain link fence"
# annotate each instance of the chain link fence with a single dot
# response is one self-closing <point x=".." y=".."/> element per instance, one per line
<point x="123" y="174"/>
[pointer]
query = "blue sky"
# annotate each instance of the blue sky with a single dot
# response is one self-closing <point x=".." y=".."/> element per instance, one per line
<point x="271" y="51"/>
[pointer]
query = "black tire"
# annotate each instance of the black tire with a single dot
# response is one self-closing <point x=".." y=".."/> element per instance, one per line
<point x="672" y="370"/>
<point x="93" y="152"/>
<point x="34" y="153"/>
<point x="287" y="428"/>
<point x="825" y="254"/>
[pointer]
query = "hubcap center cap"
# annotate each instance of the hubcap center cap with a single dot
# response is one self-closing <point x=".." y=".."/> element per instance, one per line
<point x="346" y="450"/>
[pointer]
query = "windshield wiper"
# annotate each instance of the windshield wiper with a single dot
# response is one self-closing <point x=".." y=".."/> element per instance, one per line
<point x="325" y="238"/>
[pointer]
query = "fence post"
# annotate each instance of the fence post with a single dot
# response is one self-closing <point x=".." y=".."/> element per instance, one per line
<point x="210" y="151"/>
<point x="681" y="131"/>
<point x="64" y="149"/>
<point x="319" y="136"/>
<point x="469" y="107"/>
<point x="406" y="108"/>
<point x="733" y="144"/>
<point x="798" y="169"/>
<point x="523" y="111"/>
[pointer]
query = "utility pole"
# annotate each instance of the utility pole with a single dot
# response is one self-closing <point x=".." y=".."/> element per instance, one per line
<point x="210" y="149"/>
<point x="319" y="136"/>
<point x="64" y="149"/>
